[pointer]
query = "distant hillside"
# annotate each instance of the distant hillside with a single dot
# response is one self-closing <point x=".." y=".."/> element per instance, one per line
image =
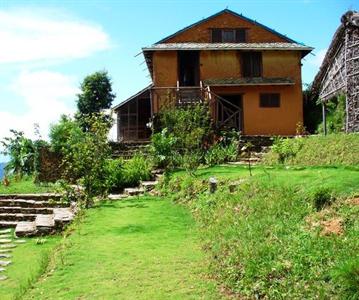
<point x="2" y="166"/>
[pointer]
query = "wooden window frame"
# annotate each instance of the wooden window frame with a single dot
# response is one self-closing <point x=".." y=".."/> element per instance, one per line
<point x="270" y="100"/>
<point x="235" y="31"/>
<point x="260" y="64"/>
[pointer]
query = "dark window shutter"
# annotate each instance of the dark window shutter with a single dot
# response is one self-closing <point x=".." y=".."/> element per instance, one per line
<point x="246" y="62"/>
<point x="252" y="64"/>
<point x="256" y="64"/>
<point x="240" y="35"/>
<point x="269" y="100"/>
<point x="216" y="35"/>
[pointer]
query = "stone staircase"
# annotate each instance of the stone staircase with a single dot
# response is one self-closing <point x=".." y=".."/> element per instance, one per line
<point x="34" y="214"/>
<point x="260" y="145"/>
<point x="126" y="150"/>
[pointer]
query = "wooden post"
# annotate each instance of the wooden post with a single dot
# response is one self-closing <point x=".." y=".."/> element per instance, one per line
<point x="324" y="112"/>
<point x="212" y="185"/>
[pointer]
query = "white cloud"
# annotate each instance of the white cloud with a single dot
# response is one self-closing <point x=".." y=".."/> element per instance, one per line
<point x="318" y="58"/>
<point x="37" y="36"/>
<point x="47" y="95"/>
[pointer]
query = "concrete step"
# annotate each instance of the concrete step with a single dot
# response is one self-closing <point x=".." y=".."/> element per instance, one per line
<point x="149" y="185"/>
<point x="17" y="217"/>
<point x="26" y="210"/>
<point x="35" y="197"/>
<point x="30" y="203"/>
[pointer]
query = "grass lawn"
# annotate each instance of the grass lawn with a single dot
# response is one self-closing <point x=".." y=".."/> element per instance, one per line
<point x="28" y="263"/>
<point x="144" y="248"/>
<point x="267" y="239"/>
<point x="25" y="186"/>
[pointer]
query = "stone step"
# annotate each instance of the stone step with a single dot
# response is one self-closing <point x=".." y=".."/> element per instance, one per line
<point x="30" y="203"/>
<point x="45" y="224"/>
<point x="7" y="224"/>
<point x="25" y="229"/>
<point x="35" y="197"/>
<point x="17" y="217"/>
<point x="26" y="210"/>
<point x="63" y="216"/>
<point x="149" y="185"/>
<point x="133" y="191"/>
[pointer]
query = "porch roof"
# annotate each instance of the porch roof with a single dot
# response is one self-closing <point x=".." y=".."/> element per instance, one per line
<point x="248" y="81"/>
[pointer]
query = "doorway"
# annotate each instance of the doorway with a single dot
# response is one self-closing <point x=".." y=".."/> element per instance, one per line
<point x="188" y="68"/>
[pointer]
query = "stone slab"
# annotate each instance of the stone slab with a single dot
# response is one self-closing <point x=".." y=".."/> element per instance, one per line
<point x="2" y="269"/>
<point x="3" y="277"/>
<point x="5" y="231"/>
<point x="45" y="221"/>
<point x="20" y="241"/>
<point x="63" y="215"/>
<point x="5" y="241"/>
<point x="4" y="255"/>
<point x="5" y="236"/>
<point x="117" y="196"/>
<point x="149" y="185"/>
<point x="4" y="263"/>
<point x="25" y="229"/>
<point x="5" y="250"/>
<point x="134" y="191"/>
<point x="6" y="246"/>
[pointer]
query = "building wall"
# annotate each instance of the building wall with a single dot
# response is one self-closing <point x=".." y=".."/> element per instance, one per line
<point x="201" y="33"/>
<point x="268" y="121"/>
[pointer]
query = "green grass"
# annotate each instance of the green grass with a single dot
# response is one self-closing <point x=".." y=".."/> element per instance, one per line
<point x="28" y="262"/>
<point x="24" y="186"/>
<point x="145" y="248"/>
<point x="265" y="239"/>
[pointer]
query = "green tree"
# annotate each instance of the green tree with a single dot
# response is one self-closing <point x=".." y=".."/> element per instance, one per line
<point x="96" y="93"/>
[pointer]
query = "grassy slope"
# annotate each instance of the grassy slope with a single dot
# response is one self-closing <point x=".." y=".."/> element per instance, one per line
<point x="29" y="260"/>
<point x="265" y="239"/>
<point x="137" y="249"/>
<point x="24" y="186"/>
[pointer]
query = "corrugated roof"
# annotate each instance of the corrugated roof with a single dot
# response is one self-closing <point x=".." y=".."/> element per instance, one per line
<point x="230" y="12"/>
<point x="138" y="94"/>
<point x="249" y="81"/>
<point x="227" y="46"/>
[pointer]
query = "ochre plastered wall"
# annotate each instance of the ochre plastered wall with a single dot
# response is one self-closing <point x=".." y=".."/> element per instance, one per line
<point x="201" y="33"/>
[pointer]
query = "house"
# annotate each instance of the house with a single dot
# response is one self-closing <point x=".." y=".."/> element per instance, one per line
<point x="249" y="74"/>
<point x="339" y="73"/>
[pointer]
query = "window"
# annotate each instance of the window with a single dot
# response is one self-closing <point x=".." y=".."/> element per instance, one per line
<point x="269" y="100"/>
<point x="228" y="35"/>
<point x="252" y="64"/>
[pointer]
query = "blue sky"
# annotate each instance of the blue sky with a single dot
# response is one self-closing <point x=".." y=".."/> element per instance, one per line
<point x="47" y="47"/>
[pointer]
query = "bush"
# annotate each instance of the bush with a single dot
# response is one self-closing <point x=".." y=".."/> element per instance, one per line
<point x="219" y="153"/>
<point x="321" y="197"/>
<point x="335" y="115"/>
<point x="286" y="148"/>
<point x="163" y="150"/>
<point x="129" y="173"/>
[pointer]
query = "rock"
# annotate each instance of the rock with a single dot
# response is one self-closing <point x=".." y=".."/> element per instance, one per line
<point x="25" y="229"/>
<point x="4" y="263"/>
<point x="20" y="241"/>
<point x="212" y="185"/>
<point x="62" y="216"/>
<point x="45" y="223"/>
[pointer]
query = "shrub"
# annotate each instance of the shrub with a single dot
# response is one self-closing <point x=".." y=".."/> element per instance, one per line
<point x="335" y="115"/>
<point x="220" y="153"/>
<point x="163" y="150"/>
<point x="286" y="148"/>
<point x="122" y="174"/>
<point x="321" y="197"/>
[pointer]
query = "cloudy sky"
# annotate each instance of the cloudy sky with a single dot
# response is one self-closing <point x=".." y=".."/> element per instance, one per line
<point x="47" y="47"/>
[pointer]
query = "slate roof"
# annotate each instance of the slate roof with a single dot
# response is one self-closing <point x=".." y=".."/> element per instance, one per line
<point x="249" y="81"/>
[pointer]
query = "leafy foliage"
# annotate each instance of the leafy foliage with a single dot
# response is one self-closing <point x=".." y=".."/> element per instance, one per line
<point x="85" y="158"/>
<point x="321" y="197"/>
<point x="22" y="153"/>
<point x="335" y="115"/>
<point x="96" y="93"/>
<point x="128" y="173"/>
